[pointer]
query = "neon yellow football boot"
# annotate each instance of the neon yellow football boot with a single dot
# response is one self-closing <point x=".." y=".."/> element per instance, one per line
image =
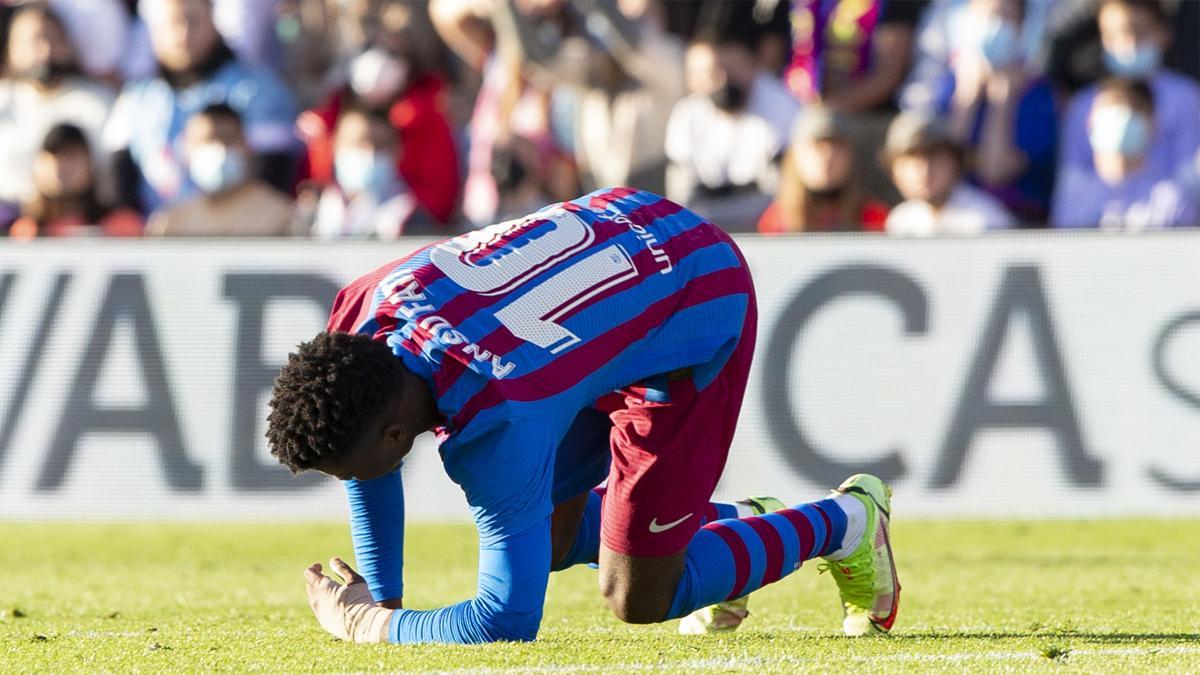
<point x="725" y="617"/>
<point x="866" y="579"/>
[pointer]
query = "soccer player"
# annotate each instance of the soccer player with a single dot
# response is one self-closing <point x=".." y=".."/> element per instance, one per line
<point x="609" y="336"/>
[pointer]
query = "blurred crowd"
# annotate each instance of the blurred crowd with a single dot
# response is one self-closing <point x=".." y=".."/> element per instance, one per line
<point x="383" y="118"/>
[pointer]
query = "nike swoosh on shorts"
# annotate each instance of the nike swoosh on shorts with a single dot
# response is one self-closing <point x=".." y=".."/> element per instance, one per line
<point x="655" y="528"/>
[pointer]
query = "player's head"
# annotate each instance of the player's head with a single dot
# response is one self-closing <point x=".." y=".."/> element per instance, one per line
<point x="346" y="406"/>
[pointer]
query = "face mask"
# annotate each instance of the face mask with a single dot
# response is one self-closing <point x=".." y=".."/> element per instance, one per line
<point x="1144" y="60"/>
<point x="214" y="167"/>
<point x="998" y="43"/>
<point x="359" y="171"/>
<point x="730" y="97"/>
<point x="377" y="76"/>
<point x="1118" y="129"/>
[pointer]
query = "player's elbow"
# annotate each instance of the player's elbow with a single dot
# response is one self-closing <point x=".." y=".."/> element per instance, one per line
<point x="511" y="625"/>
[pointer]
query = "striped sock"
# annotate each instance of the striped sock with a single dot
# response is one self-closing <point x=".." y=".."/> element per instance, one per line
<point x="731" y="558"/>
<point x="586" y="547"/>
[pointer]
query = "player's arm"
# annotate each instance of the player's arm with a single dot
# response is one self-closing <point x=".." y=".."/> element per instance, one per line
<point x="505" y="471"/>
<point x="505" y="467"/>
<point x="377" y="528"/>
<point x="514" y="569"/>
<point x="513" y="572"/>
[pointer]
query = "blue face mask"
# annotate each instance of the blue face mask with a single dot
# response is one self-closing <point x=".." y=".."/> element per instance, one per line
<point x="359" y="171"/>
<point x="999" y="44"/>
<point x="214" y="167"/>
<point x="1144" y="60"/>
<point x="1118" y="129"/>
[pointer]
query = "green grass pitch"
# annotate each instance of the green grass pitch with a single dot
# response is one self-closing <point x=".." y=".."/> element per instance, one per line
<point x="1111" y="596"/>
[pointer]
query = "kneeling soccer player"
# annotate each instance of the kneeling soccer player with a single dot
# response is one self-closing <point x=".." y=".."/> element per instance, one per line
<point x="610" y="336"/>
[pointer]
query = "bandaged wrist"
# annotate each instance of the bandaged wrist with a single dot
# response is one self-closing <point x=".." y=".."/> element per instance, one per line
<point x="367" y="623"/>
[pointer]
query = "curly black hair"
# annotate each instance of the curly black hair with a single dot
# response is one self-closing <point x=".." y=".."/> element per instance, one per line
<point x="333" y="387"/>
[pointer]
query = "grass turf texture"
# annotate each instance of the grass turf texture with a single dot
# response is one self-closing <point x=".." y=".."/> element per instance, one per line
<point x="1046" y="596"/>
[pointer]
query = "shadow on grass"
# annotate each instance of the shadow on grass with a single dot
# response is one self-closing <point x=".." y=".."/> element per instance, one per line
<point x="1098" y="638"/>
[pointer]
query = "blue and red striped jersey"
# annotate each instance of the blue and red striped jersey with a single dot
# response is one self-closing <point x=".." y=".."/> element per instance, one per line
<point x="520" y="326"/>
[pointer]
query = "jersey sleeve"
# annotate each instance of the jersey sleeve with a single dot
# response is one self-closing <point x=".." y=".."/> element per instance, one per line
<point x="377" y="528"/>
<point x="506" y="468"/>
<point x="514" y="569"/>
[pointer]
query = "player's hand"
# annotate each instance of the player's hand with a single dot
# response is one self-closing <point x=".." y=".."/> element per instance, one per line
<point x="347" y="611"/>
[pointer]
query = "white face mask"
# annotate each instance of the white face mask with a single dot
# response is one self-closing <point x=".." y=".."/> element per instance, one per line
<point x="1118" y="129"/>
<point x="990" y="36"/>
<point x="377" y="76"/>
<point x="215" y="167"/>
<point x="361" y="171"/>
<point x="1000" y="42"/>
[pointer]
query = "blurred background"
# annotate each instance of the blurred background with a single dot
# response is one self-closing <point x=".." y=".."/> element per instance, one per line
<point x="382" y="118"/>
<point x="943" y="350"/>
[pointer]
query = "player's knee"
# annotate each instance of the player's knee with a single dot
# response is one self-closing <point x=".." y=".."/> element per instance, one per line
<point x="635" y="605"/>
<point x="633" y="609"/>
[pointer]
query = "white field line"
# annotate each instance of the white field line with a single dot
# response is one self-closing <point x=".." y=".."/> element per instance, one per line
<point x="741" y="663"/>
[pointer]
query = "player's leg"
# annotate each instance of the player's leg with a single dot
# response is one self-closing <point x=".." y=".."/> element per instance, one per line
<point x="582" y="462"/>
<point x="729" y="559"/>
<point x="669" y="451"/>
<point x="571" y="532"/>
<point x="849" y="529"/>
<point x="657" y="563"/>
<point x="575" y="524"/>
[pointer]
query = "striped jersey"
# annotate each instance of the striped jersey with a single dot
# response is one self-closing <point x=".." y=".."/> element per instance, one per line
<point x="520" y="326"/>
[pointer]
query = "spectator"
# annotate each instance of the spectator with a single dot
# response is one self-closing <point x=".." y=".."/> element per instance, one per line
<point x="926" y="162"/>
<point x="369" y="198"/>
<point x="819" y="188"/>
<point x="1135" y="34"/>
<point x="952" y="27"/>
<point x="724" y="138"/>
<point x="509" y="108"/>
<point x="399" y="77"/>
<point x="624" y="78"/>
<point x="851" y="54"/>
<point x="65" y="201"/>
<point x="1076" y="58"/>
<point x="1003" y="113"/>
<point x="233" y="202"/>
<point x="1127" y="191"/>
<point x="41" y="87"/>
<point x="197" y="69"/>
<point x="310" y="44"/>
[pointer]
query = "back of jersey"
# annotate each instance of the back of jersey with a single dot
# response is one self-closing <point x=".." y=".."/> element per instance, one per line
<point x="550" y="311"/>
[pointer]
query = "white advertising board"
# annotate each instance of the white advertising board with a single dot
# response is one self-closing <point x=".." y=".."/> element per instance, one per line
<point x="1008" y="376"/>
